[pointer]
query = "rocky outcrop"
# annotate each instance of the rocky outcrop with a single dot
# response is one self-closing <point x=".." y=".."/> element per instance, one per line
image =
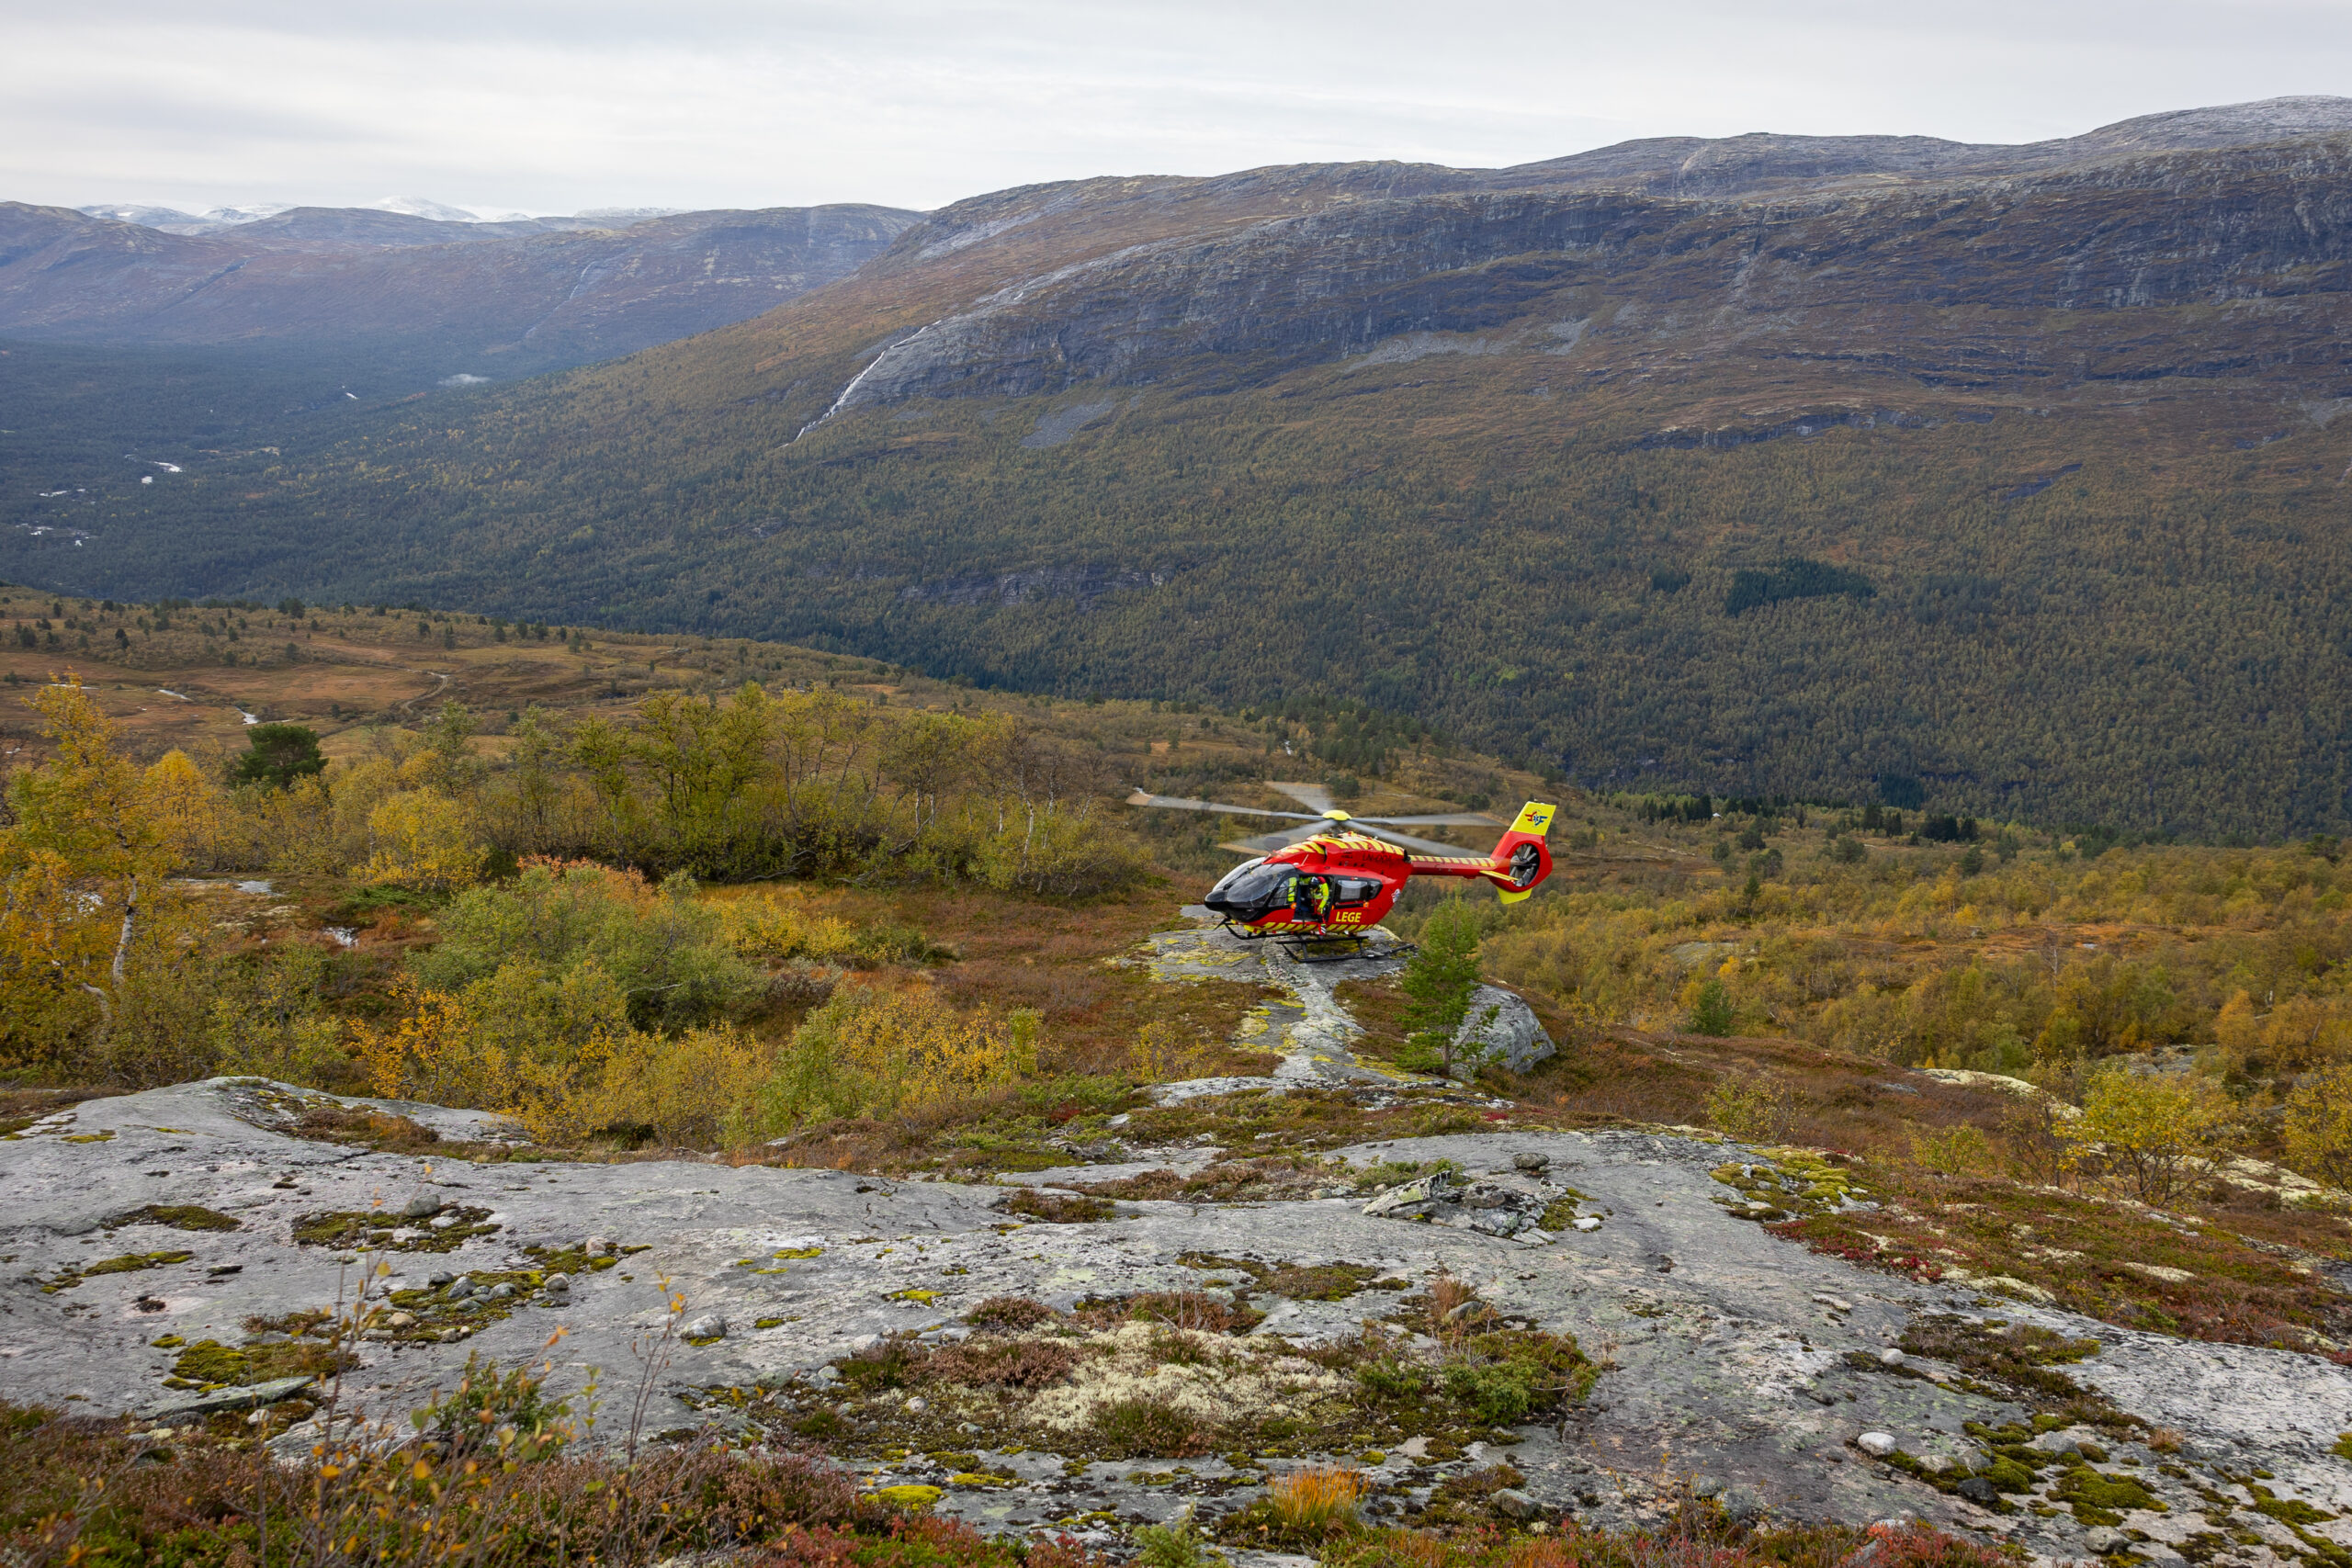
<point x="1736" y="1362"/>
<point x="1501" y="1030"/>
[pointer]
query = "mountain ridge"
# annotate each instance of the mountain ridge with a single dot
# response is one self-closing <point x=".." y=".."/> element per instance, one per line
<point x="1494" y="455"/>
<point x="339" y="276"/>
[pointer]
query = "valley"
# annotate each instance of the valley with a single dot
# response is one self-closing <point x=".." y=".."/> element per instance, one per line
<point x="602" y="943"/>
<point x="2054" y="426"/>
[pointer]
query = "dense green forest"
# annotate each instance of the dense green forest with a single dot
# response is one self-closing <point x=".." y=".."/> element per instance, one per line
<point x="2162" y="650"/>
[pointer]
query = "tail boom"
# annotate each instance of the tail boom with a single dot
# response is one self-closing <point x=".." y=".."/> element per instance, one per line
<point x="1513" y="868"/>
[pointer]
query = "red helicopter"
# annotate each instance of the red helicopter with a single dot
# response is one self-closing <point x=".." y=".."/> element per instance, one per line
<point x="1320" y="889"/>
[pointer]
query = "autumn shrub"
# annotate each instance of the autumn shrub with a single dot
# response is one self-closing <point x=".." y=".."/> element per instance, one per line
<point x="1165" y="1051"/>
<point x="2148" y="1131"/>
<point x="1961" y="1149"/>
<point x="887" y="1052"/>
<point x="1003" y="1363"/>
<point x="425" y="840"/>
<point x="2319" y="1128"/>
<point x="1059" y="849"/>
<point x="779" y="927"/>
<point x="560" y="1056"/>
<point x="81" y="1490"/>
<point x="1755" y="1114"/>
<point x="1694" y="1536"/>
<point x="667" y="953"/>
<point x="1010" y="1313"/>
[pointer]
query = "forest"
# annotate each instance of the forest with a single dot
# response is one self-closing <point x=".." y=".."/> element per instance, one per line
<point x="2156" y="650"/>
<point x="750" y="878"/>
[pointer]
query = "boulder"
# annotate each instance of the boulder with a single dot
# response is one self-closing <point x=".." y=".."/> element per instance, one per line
<point x="1442" y="1197"/>
<point x="1501" y="1030"/>
<point x="246" y="1398"/>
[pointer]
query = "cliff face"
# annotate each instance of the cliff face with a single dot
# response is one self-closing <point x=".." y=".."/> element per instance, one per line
<point x="1942" y="263"/>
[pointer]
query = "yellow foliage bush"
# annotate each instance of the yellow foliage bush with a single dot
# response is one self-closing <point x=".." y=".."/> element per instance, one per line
<point x="188" y="809"/>
<point x="774" y="926"/>
<point x="1165" y="1051"/>
<point x="431" y="1055"/>
<point x="1757" y="1115"/>
<point x="423" y="841"/>
<point x="872" y="1053"/>
<point x="557" y="1054"/>
<point x="692" y="1090"/>
<point x="2319" y="1128"/>
<point x="2149" y="1131"/>
<point x="1958" y="1150"/>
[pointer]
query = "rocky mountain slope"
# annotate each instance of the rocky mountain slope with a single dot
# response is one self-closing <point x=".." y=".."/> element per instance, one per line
<point x="503" y="296"/>
<point x="1770" y="463"/>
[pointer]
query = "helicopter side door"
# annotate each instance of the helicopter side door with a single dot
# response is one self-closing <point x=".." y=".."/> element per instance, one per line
<point x="1360" y="900"/>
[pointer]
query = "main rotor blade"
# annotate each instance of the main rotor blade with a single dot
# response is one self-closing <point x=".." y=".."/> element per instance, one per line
<point x="1425" y="846"/>
<point x="1454" y="819"/>
<point x="1280" y="839"/>
<point x="1313" y="797"/>
<point x="1141" y="798"/>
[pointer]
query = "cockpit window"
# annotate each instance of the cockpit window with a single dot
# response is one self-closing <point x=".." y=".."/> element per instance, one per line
<point x="1259" y="885"/>
<point x="1226" y="883"/>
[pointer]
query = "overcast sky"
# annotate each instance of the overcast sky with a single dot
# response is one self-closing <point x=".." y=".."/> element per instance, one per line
<point x="547" y="107"/>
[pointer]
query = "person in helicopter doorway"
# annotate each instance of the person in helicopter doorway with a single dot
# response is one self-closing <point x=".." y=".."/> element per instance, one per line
<point x="1311" y="898"/>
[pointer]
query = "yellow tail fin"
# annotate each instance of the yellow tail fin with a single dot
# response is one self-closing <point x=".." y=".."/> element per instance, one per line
<point x="1534" y="817"/>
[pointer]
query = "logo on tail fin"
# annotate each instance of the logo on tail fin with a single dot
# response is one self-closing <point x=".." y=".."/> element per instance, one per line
<point x="1533" y="817"/>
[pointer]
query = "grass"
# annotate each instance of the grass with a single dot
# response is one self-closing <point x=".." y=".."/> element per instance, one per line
<point x="2092" y="1255"/>
<point x="1176" y="1374"/>
<point x="112" y="1495"/>
<point x="1316" y="1503"/>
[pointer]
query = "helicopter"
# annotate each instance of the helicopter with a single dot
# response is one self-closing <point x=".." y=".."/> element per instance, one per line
<point x="1320" y="890"/>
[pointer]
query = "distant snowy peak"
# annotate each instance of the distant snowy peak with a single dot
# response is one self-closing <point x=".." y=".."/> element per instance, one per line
<point x="253" y="214"/>
<point x="426" y="207"/>
<point x="171" y="220"/>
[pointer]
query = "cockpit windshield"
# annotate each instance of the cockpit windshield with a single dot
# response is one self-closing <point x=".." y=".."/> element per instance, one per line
<point x="1252" y="888"/>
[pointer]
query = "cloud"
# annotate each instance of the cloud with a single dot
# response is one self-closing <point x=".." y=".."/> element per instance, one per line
<point x="527" y="104"/>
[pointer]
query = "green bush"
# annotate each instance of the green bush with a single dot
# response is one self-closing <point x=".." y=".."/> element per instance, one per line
<point x="1711" y="1012"/>
<point x="1500" y="1394"/>
<point x="664" y="949"/>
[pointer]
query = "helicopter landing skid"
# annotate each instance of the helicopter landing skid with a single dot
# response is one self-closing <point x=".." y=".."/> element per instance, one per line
<point x="1340" y="949"/>
<point x="1335" y="947"/>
